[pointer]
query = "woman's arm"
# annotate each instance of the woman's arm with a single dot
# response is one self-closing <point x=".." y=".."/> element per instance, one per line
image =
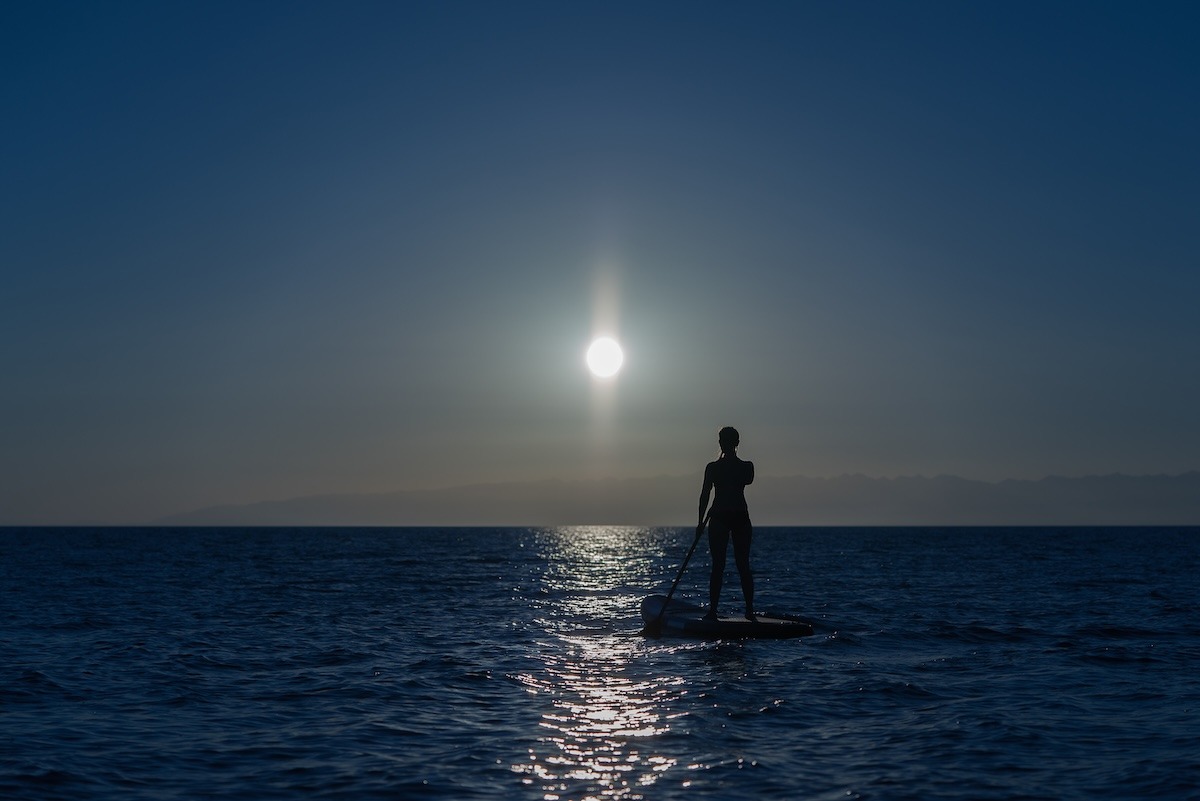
<point x="705" y="492"/>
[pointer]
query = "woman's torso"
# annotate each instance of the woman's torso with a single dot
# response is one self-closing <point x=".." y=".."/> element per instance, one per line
<point x="729" y="476"/>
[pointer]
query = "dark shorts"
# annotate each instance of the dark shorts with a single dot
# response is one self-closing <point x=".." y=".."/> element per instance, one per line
<point x="723" y="526"/>
<point x="731" y="521"/>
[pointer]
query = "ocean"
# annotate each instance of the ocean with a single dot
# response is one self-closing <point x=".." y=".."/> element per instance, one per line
<point x="1031" y="663"/>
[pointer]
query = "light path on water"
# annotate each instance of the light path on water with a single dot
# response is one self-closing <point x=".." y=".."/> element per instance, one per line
<point x="506" y="663"/>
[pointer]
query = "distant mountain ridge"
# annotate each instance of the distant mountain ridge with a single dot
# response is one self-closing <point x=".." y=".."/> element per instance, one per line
<point x="847" y="500"/>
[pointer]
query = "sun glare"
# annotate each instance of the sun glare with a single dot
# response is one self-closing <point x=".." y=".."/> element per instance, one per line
<point x="604" y="357"/>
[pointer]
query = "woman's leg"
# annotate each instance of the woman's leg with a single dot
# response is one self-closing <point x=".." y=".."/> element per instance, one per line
<point x="718" y="543"/>
<point x="743" y="533"/>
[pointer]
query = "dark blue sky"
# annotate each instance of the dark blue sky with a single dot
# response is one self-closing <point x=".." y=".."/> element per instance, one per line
<point x="256" y="250"/>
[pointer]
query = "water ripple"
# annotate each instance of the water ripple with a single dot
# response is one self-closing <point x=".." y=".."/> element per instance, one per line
<point x="251" y="664"/>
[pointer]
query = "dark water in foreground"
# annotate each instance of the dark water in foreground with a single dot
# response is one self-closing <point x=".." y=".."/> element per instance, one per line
<point x="505" y="664"/>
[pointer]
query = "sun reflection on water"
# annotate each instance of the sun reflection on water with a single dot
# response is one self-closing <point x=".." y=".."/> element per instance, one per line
<point x="605" y="713"/>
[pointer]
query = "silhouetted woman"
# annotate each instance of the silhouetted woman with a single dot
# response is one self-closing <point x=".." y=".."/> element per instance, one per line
<point x="729" y="518"/>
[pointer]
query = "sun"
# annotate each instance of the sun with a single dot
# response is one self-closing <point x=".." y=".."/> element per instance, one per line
<point x="604" y="357"/>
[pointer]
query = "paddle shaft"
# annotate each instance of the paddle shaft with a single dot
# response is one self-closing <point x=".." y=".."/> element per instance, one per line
<point x="699" y="530"/>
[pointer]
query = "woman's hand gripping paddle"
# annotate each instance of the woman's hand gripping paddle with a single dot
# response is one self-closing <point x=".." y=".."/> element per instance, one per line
<point x="654" y="627"/>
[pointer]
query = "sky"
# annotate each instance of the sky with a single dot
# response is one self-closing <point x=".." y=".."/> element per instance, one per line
<point x="252" y="251"/>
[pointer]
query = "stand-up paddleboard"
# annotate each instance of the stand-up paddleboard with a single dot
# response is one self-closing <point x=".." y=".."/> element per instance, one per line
<point x="687" y="620"/>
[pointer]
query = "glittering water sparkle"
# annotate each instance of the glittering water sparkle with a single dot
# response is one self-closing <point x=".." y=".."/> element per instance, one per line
<point x="506" y="663"/>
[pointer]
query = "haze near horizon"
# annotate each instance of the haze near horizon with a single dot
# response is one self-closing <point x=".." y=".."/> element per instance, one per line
<point x="264" y="251"/>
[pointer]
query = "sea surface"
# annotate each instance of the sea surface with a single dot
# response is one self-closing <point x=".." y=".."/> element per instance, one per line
<point x="507" y="664"/>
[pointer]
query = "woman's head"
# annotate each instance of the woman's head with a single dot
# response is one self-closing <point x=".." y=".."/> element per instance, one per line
<point x="728" y="438"/>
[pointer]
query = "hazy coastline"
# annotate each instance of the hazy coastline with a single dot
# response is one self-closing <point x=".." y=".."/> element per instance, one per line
<point x="782" y="500"/>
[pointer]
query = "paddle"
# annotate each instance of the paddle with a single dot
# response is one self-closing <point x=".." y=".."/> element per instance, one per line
<point x="655" y="626"/>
